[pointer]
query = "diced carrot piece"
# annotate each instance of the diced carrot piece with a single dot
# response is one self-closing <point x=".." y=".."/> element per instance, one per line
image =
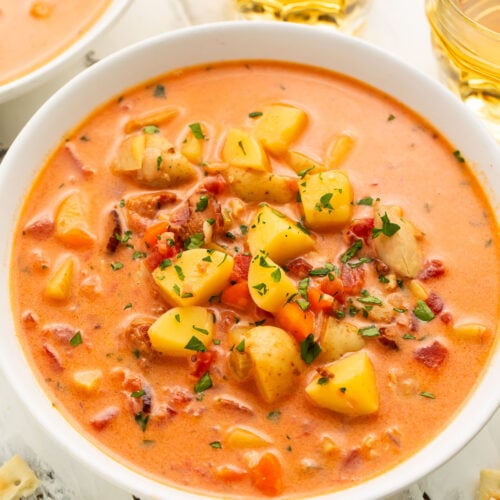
<point x="333" y="287"/>
<point x="295" y="321"/>
<point x="152" y="232"/>
<point x="319" y="301"/>
<point x="267" y="475"/>
<point x="237" y="296"/>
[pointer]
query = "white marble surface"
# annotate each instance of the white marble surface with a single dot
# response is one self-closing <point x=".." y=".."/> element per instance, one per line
<point x="398" y="26"/>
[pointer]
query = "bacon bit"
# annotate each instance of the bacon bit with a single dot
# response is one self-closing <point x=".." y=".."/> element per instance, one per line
<point x="232" y="404"/>
<point x="230" y="473"/>
<point x="104" y="417"/>
<point x="240" y="268"/>
<point x="63" y="333"/>
<point x="77" y="160"/>
<point x="54" y="356"/>
<point x="389" y="343"/>
<point x="200" y="363"/>
<point x="353" y="279"/>
<point x="431" y="356"/>
<point x="179" y="397"/>
<point x="40" y="228"/>
<point x="353" y="459"/>
<point x="435" y="303"/>
<point x="432" y="269"/>
<point x="446" y="318"/>
<point x="215" y="184"/>
<point x="137" y="338"/>
<point x="414" y="323"/>
<point x="360" y="228"/>
<point x="299" y="268"/>
<point x="116" y="232"/>
<point x="147" y="205"/>
<point x="30" y="319"/>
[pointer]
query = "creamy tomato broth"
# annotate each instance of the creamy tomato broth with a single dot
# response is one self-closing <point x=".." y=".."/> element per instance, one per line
<point x="256" y="278"/>
<point x="35" y="31"/>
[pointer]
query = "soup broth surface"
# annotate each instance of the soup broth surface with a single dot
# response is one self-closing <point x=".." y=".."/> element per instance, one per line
<point x="406" y="267"/>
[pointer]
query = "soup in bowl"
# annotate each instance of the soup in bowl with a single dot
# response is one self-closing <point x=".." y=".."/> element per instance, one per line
<point x="39" y="37"/>
<point x="247" y="270"/>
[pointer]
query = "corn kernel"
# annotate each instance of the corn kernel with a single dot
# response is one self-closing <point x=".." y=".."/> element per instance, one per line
<point x="469" y="331"/>
<point x="418" y="290"/>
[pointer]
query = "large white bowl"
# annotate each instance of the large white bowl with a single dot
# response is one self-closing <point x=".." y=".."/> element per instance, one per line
<point x="52" y="67"/>
<point x="217" y="42"/>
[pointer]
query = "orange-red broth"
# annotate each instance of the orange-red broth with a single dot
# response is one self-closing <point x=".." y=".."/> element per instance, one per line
<point x="397" y="157"/>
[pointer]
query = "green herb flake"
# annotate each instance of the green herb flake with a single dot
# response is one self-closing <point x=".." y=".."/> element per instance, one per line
<point x="309" y="349"/>
<point x="137" y="394"/>
<point x="200" y="330"/>
<point x="458" y="155"/>
<point x="368" y="201"/>
<point x="423" y="312"/>
<point x="324" y="202"/>
<point x="159" y="161"/>
<point x="409" y="336"/>
<point x="196" y="240"/>
<point x="138" y="255"/>
<point x="427" y="395"/>
<point x="180" y="273"/>
<point x="151" y="129"/>
<point x="116" y="266"/>
<point x="159" y="91"/>
<point x="142" y="420"/>
<point x="216" y="444"/>
<point x="197" y="131"/>
<point x="276" y="275"/>
<point x="274" y="415"/>
<point x="255" y="114"/>
<point x="369" y="331"/>
<point x="76" y="339"/>
<point x="127" y="306"/>
<point x="352" y="251"/>
<point x="202" y="204"/>
<point x="261" y="288"/>
<point x="203" y="384"/>
<point x="388" y="228"/>
<point x="241" y="346"/>
<point x="165" y="263"/>
<point x="323" y="380"/>
<point x="391" y="117"/>
<point x="195" y="344"/>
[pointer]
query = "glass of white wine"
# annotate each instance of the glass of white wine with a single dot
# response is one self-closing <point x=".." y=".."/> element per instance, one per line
<point x="465" y="37"/>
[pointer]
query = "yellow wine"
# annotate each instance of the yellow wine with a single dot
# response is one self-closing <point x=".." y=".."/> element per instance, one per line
<point x="346" y="15"/>
<point x="466" y="39"/>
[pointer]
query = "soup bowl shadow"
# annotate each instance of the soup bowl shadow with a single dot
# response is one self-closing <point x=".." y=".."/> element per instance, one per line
<point x="223" y="42"/>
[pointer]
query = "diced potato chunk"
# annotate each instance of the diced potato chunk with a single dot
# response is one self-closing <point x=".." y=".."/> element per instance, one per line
<point x="302" y="164"/>
<point x="192" y="146"/>
<point x="88" y="380"/>
<point x="400" y="251"/>
<point x="59" y="285"/>
<point x="279" y="126"/>
<point x="130" y="154"/>
<point x="326" y="199"/>
<point x="71" y="223"/>
<point x="243" y="150"/>
<point x="269" y="286"/>
<point x="275" y="234"/>
<point x="276" y="359"/>
<point x="339" y="338"/>
<point x="339" y="150"/>
<point x="251" y="185"/>
<point x="346" y="386"/>
<point x="194" y="276"/>
<point x="489" y="485"/>
<point x="242" y="437"/>
<point x="175" y="329"/>
<point x="469" y="331"/>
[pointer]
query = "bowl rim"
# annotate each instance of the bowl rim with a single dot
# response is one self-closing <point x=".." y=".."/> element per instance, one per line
<point x="410" y="88"/>
<point x="40" y="74"/>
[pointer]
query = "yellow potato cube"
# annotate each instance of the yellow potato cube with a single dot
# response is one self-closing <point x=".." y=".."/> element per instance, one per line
<point x="59" y="285"/>
<point x="269" y="286"/>
<point x="130" y="154"/>
<point x="339" y="150"/>
<point x="192" y="146"/>
<point x="326" y="199"/>
<point x="241" y="437"/>
<point x="277" y="362"/>
<point x="71" y="222"/>
<point x="347" y="386"/>
<point x="182" y="330"/>
<point x="279" y="126"/>
<point x="302" y="164"/>
<point x="243" y="150"/>
<point x="194" y="276"/>
<point x="273" y="233"/>
<point x="88" y="380"/>
<point x="339" y="338"/>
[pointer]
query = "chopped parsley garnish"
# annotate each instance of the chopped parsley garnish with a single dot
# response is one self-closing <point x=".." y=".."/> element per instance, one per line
<point x="151" y="129"/>
<point x="323" y="380"/>
<point x="368" y="201"/>
<point x="195" y="344"/>
<point x="180" y="273"/>
<point x="137" y="394"/>
<point x="423" y="312"/>
<point x="324" y="271"/>
<point x="255" y="114"/>
<point x="428" y="395"/>
<point x="197" y="131"/>
<point x="196" y="240"/>
<point x="263" y="262"/>
<point x="241" y="346"/>
<point x="391" y="117"/>
<point x="127" y="306"/>
<point x="324" y="202"/>
<point x="165" y="263"/>
<point x="142" y="420"/>
<point x="309" y="349"/>
<point x="369" y="331"/>
<point x="123" y="238"/>
<point x="360" y="262"/>
<point x="138" y="255"/>
<point x="203" y="384"/>
<point x="159" y="161"/>
<point x="76" y="339"/>
<point x="261" y="288"/>
<point x="352" y="251"/>
<point x="216" y="444"/>
<point x="409" y="336"/>
<point x="159" y="91"/>
<point x="274" y="415"/>
<point x="388" y="228"/>
<point x="116" y="266"/>
<point x="200" y="330"/>
<point x="276" y="275"/>
<point x="458" y="155"/>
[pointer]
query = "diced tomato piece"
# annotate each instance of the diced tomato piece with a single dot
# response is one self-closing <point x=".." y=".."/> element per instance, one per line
<point x="153" y="232"/>
<point x="240" y="267"/>
<point x="201" y="362"/>
<point x="319" y="301"/>
<point x="295" y="321"/>
<point x="237" y="296"/>
<point x="360" y="228"/>
<point x="267" y="475"/>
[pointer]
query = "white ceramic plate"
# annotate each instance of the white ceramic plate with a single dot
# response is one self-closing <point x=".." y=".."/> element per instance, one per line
<point x="35" y="78"/>
<point x="229" y="41"/>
